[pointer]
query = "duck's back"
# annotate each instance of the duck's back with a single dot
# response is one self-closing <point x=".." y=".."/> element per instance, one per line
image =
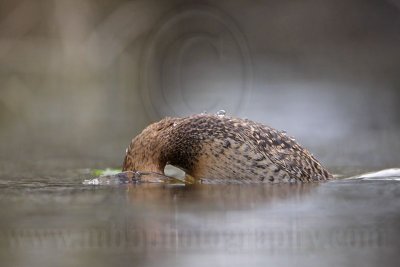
<point x="221" y="148"/>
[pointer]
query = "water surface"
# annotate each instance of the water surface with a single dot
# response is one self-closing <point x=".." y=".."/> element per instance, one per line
<point x="49" y="218"/>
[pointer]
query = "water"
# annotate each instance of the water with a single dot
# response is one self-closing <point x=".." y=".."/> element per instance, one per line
<point x="49" y="218"/>
<point x="221" y="113"/>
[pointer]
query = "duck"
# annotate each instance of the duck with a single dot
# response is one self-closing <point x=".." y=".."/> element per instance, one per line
<point x="221" y="148"/>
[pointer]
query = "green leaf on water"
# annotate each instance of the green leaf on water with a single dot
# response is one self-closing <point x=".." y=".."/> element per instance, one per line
<point x="107" y="171"/>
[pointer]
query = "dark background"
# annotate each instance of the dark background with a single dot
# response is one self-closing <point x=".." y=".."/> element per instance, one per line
<point x="78" y="79"/>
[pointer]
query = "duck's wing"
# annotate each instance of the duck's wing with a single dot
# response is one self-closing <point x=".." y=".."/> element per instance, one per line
<point x="286" y="153"/>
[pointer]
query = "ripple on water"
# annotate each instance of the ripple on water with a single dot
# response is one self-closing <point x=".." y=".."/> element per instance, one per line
<point x="392" y="174"/>
<point x="115" y="178"/>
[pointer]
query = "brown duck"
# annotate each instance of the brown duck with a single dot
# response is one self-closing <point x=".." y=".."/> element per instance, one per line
<point x="222" y="148"/>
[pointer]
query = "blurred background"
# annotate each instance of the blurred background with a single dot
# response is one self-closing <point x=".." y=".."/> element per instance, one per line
<point x="80" y="78"/>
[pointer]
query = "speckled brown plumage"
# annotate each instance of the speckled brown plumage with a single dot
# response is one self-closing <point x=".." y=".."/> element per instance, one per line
<point x="222" y="148"/>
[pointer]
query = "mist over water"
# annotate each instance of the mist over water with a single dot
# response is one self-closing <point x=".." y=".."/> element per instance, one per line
<point x="80" y="79"/>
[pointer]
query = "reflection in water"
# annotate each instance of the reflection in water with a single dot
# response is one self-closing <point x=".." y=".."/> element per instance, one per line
<point x="50" y="220"/>
<point x="216" y="197"/>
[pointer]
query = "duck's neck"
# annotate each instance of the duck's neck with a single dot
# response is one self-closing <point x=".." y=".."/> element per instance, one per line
<point x="145" y="154"/>
<point x="153" y="147"/>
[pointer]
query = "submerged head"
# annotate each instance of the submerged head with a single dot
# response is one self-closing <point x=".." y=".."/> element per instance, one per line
<point x="146" y="152"/>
